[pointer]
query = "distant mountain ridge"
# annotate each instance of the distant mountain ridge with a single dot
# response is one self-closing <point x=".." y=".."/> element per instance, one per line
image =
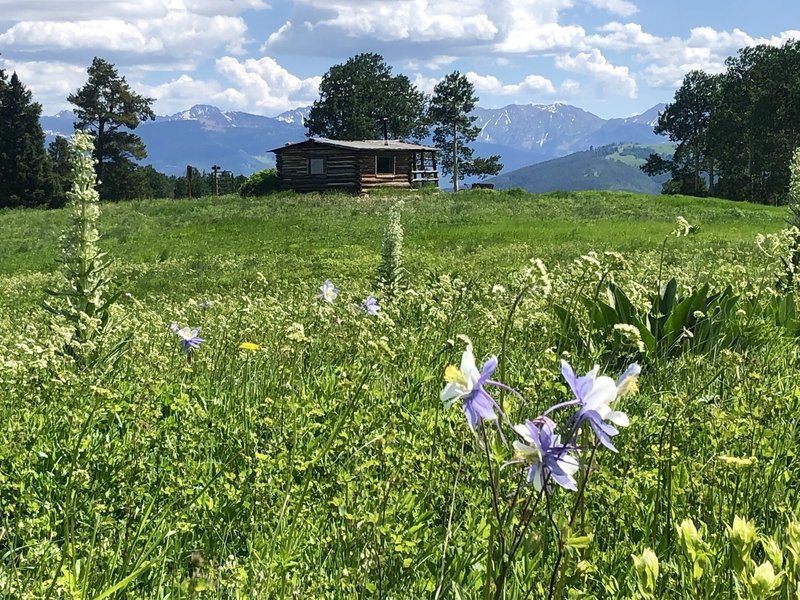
<point x="240" y="142"/>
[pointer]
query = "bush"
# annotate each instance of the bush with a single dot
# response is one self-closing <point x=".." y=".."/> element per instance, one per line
<point x="260" y="183"/>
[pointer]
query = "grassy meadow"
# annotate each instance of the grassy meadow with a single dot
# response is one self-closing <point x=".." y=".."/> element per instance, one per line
<point x="323" y="464"/>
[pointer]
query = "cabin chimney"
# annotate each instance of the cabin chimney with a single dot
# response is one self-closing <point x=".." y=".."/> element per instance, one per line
<point x="385" y="131"/>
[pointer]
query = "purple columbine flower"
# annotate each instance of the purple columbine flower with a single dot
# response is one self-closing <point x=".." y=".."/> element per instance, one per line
<point x="190" y="340"/>
<point x="466" y="384"/>
<point x="594" y="396"/>
<point x="328" y="292"/>
<point x="547" y="458"/>
<point x="370" y="305"/>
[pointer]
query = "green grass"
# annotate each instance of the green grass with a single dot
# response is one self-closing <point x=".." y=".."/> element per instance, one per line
<point x="324" y="465"/>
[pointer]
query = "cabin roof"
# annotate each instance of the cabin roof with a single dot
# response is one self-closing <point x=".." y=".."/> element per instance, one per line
<point x="376" y="145"/>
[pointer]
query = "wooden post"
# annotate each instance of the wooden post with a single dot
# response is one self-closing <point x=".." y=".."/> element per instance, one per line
<point x="189" y="180"/>
<point x="216" y="169"/>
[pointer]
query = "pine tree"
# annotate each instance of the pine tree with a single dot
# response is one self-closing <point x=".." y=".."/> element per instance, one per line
<point x="108" y="108"/>
<point x="26" y="177"/>
<point x="453" y="99"/>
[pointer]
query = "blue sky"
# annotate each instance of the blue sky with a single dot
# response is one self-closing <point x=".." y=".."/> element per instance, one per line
<point x="614" y="58"/>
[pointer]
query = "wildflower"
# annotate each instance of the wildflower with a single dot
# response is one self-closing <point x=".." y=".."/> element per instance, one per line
<point x="370" y="305"/>
<point x="628" y="381"/>
<point x="190" y="340"/>
<point x="466" y="384"/>
<point x="542" y="450"/>
<point x="205" y="304"/>
<point x="249" y="346"/>
<point x="594" y="395"/>
<point x="682" y="228"/>
<point x="328" y="292"/>
<point x="737" y="462"/>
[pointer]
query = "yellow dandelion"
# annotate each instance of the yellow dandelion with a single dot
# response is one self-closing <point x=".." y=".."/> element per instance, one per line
<point x="249" y="346"/>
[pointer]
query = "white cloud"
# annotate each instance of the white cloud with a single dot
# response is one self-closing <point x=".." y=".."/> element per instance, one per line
<point x="612" y="80"/>
<point x="176" y="34"/>
<point x="532" y="26"/>
<point x="49" y="82"/>
<point x="620" y="36"/>
<point x="412" y="20"/>
<point x="490" y="84"/>
<point x="84" y="10"/>
<point x="622" y="8"/>
<point x="263" y="86"/>
<point x="76" y="10"/>
<point x="181" y="93"/>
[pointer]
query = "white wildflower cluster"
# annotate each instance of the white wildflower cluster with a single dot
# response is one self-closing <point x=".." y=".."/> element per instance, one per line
<point x="631" y="335"/>
<point x="536" y="277"/>
<point x="780" y="245"/>
<point x="794" y="184"/>
<point x="682" y="228"/>
<point x="391" y="267"/>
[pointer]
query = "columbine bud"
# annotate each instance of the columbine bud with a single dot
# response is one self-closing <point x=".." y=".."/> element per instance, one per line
<point x="646" y="567"/>
<point x="742" y="535"/>
<point x="763" y="581"/>
<point x="688" y="536"/>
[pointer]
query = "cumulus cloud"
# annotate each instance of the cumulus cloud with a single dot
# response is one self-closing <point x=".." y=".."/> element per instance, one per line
<point x="265" y="86"/>
<point x="619" y="36"/>
<point x="177" y="33"/>
<point x="50" y="82"/>
<point x="611" y="79"/>
<point x="82" y="10"/>
<point x="535" y="84"/>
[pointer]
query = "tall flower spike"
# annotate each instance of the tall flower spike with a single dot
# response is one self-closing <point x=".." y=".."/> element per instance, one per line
<point x="595" y="395"/>
<point x="466" y="384"/>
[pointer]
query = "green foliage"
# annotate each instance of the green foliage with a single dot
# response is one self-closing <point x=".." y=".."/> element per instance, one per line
<point x="448" y="111"/>
<point x="735" y="131"/>
<point x="702" y="321"/>
<point x="322" y="462"/>
<point x="26" y="177"/>
<point x="356" y="97"/>
<point x="260" y="183"/>
<point x="59" y="151"/>
<point x="108" y="108"/>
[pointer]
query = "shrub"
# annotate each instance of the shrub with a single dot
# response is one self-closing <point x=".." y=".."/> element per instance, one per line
<point x="260" y="183"/>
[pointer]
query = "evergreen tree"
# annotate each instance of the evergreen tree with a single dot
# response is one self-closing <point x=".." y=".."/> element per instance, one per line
<point x="453" y="99"/>
<point x="738" y="128"/>
<point x="108" y="108"/>
<point x="26" y="177"/>
<point x="61" y="159"/>
<point x="356" y="97"/>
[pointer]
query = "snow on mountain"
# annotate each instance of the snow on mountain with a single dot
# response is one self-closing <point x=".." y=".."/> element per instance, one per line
<point x="297" y="116"/>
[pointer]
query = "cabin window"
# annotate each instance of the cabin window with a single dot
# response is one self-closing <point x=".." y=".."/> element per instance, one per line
<point x="316" y="166"/>
<point x="384" y="164"/>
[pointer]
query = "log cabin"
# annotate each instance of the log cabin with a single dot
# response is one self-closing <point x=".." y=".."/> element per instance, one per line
<point x="320" y="164"/>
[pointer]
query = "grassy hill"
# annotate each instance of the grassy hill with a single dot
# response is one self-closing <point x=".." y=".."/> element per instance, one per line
<point x="614" y="167"/>
<point x="215" y="244"/>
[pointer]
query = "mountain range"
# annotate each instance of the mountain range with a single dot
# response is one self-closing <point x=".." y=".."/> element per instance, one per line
<point x="240" y="142"/>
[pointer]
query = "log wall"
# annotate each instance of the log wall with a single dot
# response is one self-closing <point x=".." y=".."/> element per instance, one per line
<point x="341" y="169"/>
<point x="345" y="169"/>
